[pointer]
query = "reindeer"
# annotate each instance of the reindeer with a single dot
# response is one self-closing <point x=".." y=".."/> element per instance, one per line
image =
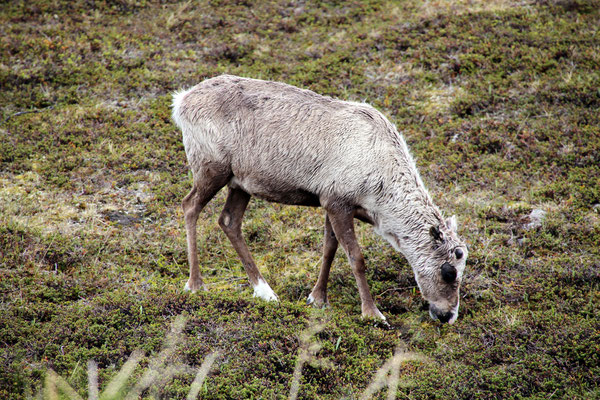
<point x="292" y="146"/>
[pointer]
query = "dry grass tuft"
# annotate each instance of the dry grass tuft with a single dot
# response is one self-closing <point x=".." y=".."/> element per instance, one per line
<point x="161" y="369"/>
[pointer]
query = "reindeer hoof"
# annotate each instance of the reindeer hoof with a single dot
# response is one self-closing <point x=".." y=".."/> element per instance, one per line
<point x="377" y="318"/>
<point x="317" y="301"/>
<point x="374" y="314"/>
<point x="194" y="287"/>
<point x="264" y="291"/>
<point x="383" y="324"/>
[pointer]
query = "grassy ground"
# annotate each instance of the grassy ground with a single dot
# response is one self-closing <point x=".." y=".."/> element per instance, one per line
<point x="499" y="101"/>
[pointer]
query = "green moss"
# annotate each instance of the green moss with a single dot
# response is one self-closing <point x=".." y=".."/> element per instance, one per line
<point x="497" y="101"/>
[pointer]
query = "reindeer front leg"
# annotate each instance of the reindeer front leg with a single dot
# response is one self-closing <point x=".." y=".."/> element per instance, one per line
<point x="342" y="222"/>
<point x="208" y="180"/>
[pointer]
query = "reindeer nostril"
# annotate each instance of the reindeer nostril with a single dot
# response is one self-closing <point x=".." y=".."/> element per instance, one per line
<point x="445" y="317"/>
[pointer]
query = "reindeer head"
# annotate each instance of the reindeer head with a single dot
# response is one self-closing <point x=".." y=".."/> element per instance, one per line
<point x="439" y="268"/>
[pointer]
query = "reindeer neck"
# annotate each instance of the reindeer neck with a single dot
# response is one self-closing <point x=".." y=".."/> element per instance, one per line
<point x="406" y="212"/>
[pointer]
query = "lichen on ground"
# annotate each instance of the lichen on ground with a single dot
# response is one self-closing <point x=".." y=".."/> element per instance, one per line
<point x="497" y="100"/>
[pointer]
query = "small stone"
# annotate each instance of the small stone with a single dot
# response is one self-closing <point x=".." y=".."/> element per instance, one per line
<point x="536" y="217"/>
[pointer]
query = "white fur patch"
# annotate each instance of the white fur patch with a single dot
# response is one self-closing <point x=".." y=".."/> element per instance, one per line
<point x="188" y="289"/>
<point x="454" y="313"/>
<point x="264" y="291"/>
<point x="177" y="100"/>
<point x="380" y="315"/>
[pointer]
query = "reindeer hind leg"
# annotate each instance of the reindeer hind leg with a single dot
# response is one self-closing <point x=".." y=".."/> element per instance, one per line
<point x="231" y="223"/>
<point x="207" y="184"/>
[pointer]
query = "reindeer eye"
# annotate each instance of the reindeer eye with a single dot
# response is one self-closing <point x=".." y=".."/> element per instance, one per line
<point x="448" y="273"/>
<point x="458" y="253"/>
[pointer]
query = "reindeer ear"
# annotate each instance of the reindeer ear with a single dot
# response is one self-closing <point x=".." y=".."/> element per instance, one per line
<point x="451" y="223"/>
<point x="435" y="233"/>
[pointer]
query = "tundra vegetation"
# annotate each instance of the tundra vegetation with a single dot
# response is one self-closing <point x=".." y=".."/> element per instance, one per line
<point x="498" y="100"/>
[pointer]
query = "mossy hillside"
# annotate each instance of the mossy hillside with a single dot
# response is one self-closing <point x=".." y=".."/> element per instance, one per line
<point x="498" y="101"/>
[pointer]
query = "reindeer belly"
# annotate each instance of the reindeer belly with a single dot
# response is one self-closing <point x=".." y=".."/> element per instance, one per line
<point x="275" y="191"/>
